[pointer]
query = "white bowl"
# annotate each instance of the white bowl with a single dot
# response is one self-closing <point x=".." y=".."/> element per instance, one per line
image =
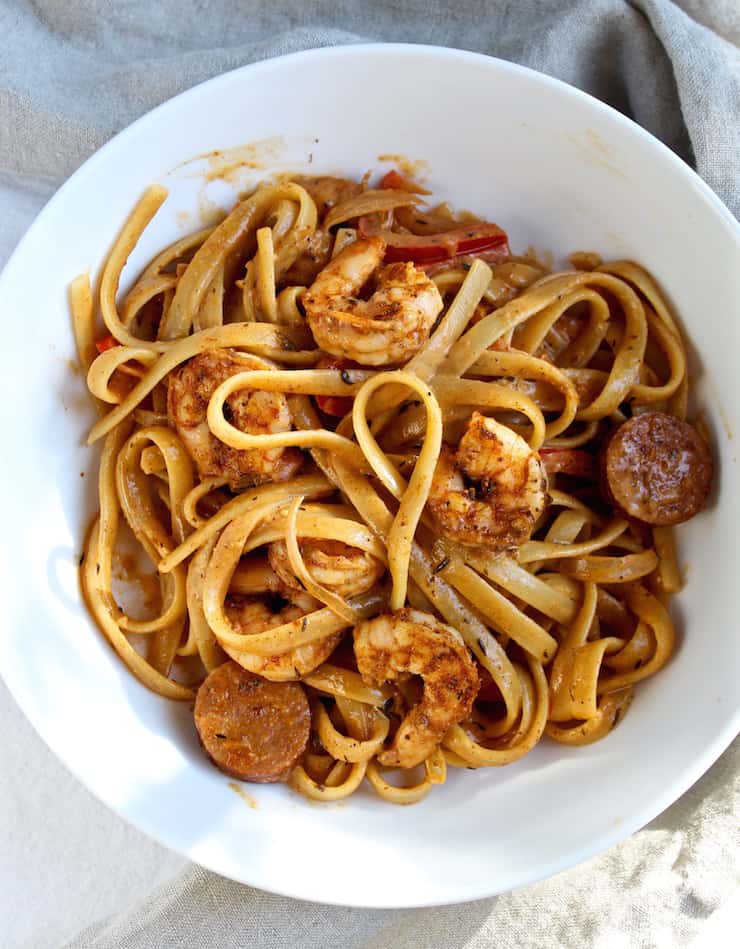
<point x="559" y="171"/>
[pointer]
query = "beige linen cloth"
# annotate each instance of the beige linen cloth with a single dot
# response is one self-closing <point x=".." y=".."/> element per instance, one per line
<point x="71" y="75"/>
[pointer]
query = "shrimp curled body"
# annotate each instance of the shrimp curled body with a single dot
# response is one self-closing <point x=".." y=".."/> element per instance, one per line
<point x="250" y="615"/>
<point x="386" y="329"/>
<point x="409" y="642"/>
<point x="258" y="413"/>
<point x="491" y="491"/>
<point x="346" y="570"/>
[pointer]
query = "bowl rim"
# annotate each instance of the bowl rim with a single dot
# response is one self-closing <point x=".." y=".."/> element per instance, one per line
<point x="698" y="765"/>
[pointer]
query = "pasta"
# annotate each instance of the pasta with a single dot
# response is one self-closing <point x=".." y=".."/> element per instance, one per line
<point x="406" y="498"/>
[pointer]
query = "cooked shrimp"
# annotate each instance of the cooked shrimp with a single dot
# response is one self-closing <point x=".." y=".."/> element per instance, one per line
<point x="390" y="326"/>
<point x="491" y="491"/>
<point x="190" y="389"/>
<point x="409" y="642"/>
<point x="345" y="570"/>
<point x="250" y="615"/>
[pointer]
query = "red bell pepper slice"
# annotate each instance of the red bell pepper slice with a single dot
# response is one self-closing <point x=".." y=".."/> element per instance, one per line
<point x="336" y="405"/>
<point x="394" y="181"/>
<point x="110" y="342"/>
<point x="434" y="248"/>
<point x="105" y="343"/>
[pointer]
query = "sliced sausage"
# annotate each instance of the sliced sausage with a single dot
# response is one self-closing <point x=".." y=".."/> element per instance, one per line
<point x="250" y="728"/>
<point x="657" y="468"/>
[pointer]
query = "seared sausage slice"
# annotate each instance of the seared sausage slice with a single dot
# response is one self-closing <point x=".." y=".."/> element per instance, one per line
<point x="250" y="728"/>
<point x="657" y="469"/>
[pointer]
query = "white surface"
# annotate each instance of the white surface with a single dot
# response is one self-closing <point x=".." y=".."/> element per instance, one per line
<point x="569" y="174"/>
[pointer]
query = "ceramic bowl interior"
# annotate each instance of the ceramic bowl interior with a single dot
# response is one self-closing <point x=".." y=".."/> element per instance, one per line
<point x="561" y="172"/>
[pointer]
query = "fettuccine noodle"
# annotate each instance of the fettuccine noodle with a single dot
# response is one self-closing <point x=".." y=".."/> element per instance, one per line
<point x="411" y="489"/>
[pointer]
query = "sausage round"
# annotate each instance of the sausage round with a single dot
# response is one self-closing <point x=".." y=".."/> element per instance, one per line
<point x="251" y="729"/>
<point x="657" y="469"/>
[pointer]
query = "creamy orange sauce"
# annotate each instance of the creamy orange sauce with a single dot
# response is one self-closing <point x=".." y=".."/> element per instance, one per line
<point x="244" y="795"/>
<point x="139" y="593"/>
<point x="539" y="258"/>
<point x="416" y="168"/>
<point x="227" y="163"/>
<point x="256" y="155"/>
<point x="596" y="151"/>
<point x="209" y="212"/>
